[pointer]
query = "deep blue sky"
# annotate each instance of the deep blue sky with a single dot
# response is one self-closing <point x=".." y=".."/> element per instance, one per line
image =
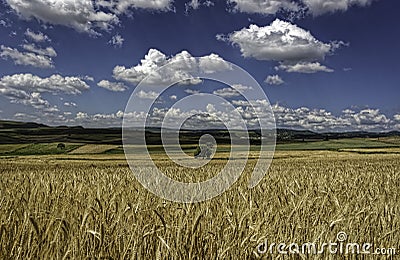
<point x="366" y="71"/>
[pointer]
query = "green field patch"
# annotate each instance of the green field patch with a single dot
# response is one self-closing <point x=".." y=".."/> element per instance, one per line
<point x="336" y="144"/>
<point x="44" y="149"/>
<point x="9" y="148"/>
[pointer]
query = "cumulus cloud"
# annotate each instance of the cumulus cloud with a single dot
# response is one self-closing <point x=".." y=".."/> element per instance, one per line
<point x="147" y="95"/>
<point x="81" y="115"/>
<point x="306" y="118"/>
<point x="213" y="63"/>
<point x="27" y="89"/>
<point x="35" y="100"/>
<point x="88" y="78"/>
<point x="27" y="58"/>
<point x="84" y="15"/>
<point x="117" y="41"/>
<point x="298" y="8"/>
<point x="226" y="92"/>
<point x="37" y="37"/>
<point x="314" y="119"/>
<point x="191" y="91"/>
<point x="155" y="5"/>
<point x="80" y="15"/>
<point x="322" y="120"/>
<point x="274" y="80"/>
<point x="303" y="67"/>
<point x="48" y="51"/>
<point x="368" y="118"/>
<point x="319" y="120"/>
<point x="319" y="7"/>
<point x="302" y="118"/>
<point x="112" y="86"/>
<point x="106" y="119"/>
<point x="267" y="7"/>
<point x="53" y="84"/>
<point x="230" y="92"/>
<point x="182" y="65"/>
<point x="196" y="4"/>
<point x="295" y="48"/>
<point x="280" y="41"/>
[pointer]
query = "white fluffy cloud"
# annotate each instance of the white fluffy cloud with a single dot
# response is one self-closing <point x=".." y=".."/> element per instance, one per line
<point x="226" y="92"/>
<point x="112" y="86"/>
<point x="80" y="15"/>
<point x="318" y="7"/>
<point x="88" y="78"/>
<point x="274" y="80"/>
<point x="295" y="48"/>
<point x="306" y="118"/>
<point x="191" y="91"/>
<point x="83" y="15"/>
<point x="303" y="118"/>
<point x="266" y="7"/>
<point x="196" y="4"/>
<point x="319" y="120"/>
<point x="231" y="92"/>
<point x="117" y="41"/>
<point x="48" y="51"/>
<point x="53" y="84"/>
<point x="37" y="37"/>
<point x="82" y="115"/>
<point x="155" y="5"/>
<point x="322" y="120"/>
<point x="368" y="118"/>
<point x="213" y="63"/>
<point x="182" y="65"/>
<point x="92" y="16"/>
<point x="27" y="58"/>
<point x="313" y="7"/>
<point x="147" y="95"/>
<point x="105" y="119"/>
<point x="280" y="41"/>
<point x="303" y="67"/>
<point x="27" y="89"/>
<point x="35" y="100"/>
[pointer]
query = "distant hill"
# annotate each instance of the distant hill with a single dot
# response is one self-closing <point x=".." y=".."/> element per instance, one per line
<point x="26" y="132"/>
<point x="19" y="125"/>
<point x="22" y="132"/>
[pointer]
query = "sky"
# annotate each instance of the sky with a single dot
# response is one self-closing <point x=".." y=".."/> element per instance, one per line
<point x="324" y="65"/>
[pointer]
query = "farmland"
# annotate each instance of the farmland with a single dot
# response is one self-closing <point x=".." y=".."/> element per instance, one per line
<point x="88" y="204"/>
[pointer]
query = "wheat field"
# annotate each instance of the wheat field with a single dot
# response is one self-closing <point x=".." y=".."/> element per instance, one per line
<point x="91" y="207"/>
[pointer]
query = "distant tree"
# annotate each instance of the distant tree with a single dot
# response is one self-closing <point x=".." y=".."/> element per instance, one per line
<point x="61" y="146"/>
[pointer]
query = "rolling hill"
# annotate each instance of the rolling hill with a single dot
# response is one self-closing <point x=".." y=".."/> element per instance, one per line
<point x="12" y="132"/>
